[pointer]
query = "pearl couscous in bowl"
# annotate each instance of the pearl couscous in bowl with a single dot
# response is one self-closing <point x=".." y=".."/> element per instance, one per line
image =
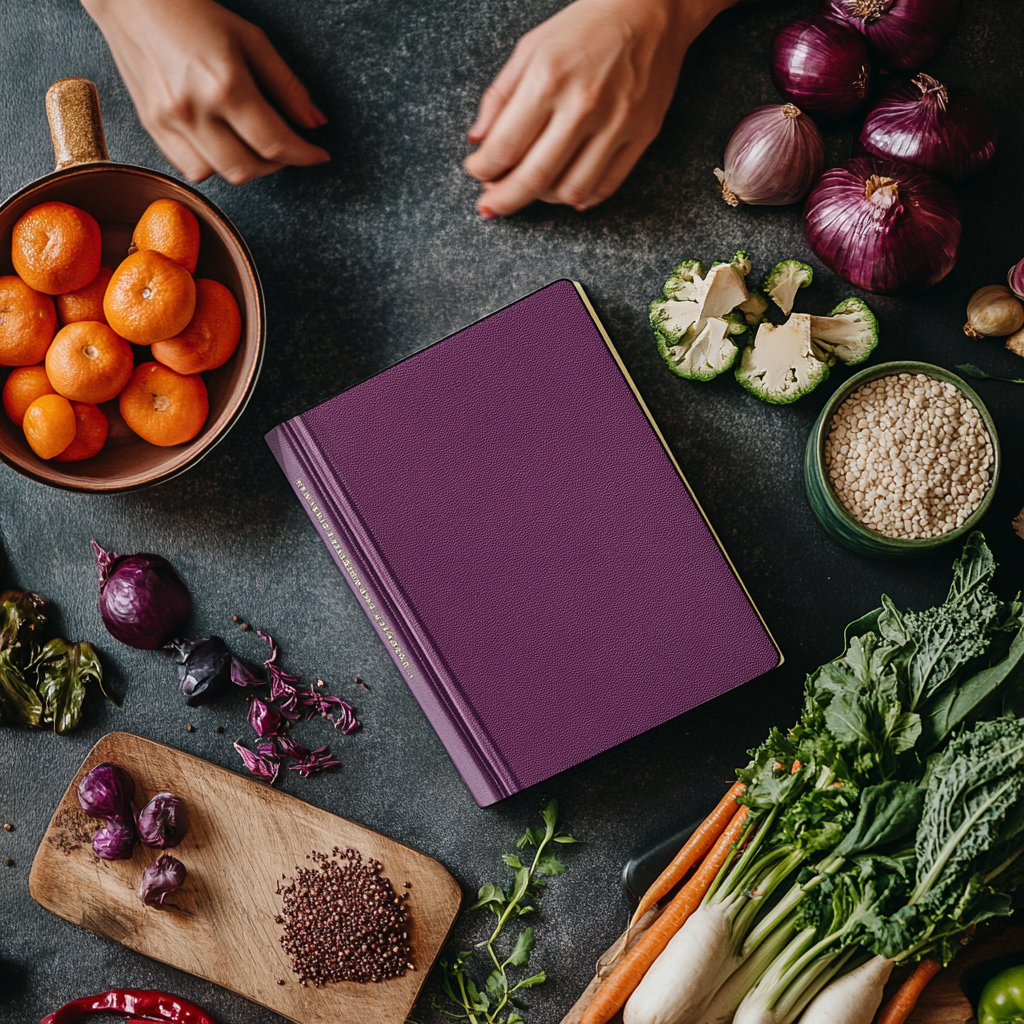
<point x="904" y="458"/>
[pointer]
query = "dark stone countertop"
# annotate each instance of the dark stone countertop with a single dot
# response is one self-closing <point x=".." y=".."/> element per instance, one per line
<point x="375" y="256"/>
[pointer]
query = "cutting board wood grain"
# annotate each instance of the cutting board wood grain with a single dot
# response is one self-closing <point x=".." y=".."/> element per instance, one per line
<point x="244" y="838"/>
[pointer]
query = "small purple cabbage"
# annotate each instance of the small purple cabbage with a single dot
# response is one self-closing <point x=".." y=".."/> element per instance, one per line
<point x="115" y="841"/>
<point x="204" y="668"/>
<point x="143" y="600"/>
<point x="106" y="792"/>
<point x="160" y="879"/>
<point x="264" y="718"/>
<point x="245" y="673"/>
<point x="163" y="822"/>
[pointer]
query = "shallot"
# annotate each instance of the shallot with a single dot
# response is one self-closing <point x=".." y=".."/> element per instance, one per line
<point x="773" y="158"/>
<point x="993" y="312"/>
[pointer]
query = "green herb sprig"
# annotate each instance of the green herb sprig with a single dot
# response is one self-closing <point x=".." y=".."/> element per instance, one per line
<point x="495" y="1001"/>
<point x="970" y="370"/>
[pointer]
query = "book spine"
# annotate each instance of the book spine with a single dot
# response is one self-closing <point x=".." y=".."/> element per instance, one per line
<point x="291" y="445"/>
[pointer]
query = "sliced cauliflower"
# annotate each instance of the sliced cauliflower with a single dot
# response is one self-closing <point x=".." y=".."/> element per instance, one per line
<point x="686" y="282"/>
<point x="723" y="291"/>
<point x="754" y="307"/>
<point x="705" y="352"/>
<point x="671" y="319"/>
<point x="785" y="280"/>
<point x="848" y="333"/>
<point x="781" y="366"/>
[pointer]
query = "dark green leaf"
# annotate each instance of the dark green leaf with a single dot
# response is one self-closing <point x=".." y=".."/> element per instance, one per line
<point x="977" y="373"/>
<point x="565" y="839"/>
<point x="886" y="814"/>
<point x="549" y="865"/>
<point x="550" y="816"/>
<point x="21" y="625"/>
<point x="531" y="982"/>
<point x="522" y="949"/>
<point x="20" y="705"/>
<point x="62" y="671"/>
<point x="496" y="984"/>
<point x="511" y="860"/>
<point x="488" y="893"/>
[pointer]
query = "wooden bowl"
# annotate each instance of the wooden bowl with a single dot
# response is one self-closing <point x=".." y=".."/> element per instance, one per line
<point x="116" y="195"/>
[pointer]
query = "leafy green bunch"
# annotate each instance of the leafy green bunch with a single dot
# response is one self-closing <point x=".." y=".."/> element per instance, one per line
<point x="496" y="999"/>
<point x="41" y="684"/>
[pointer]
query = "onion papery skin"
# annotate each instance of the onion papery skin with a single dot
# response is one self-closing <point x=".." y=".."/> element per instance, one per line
<point x="901" y="236"/>
<point x="774" y="156"/>
<point x="1015" y="279"/>
<point x="945" y="132"/>
<point x="821" y="65"/>
<point x="903" y="32"/>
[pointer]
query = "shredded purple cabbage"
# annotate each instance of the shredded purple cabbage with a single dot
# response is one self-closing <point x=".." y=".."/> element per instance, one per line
<point x="317" y="761"/>
<point x="261" y="766"/>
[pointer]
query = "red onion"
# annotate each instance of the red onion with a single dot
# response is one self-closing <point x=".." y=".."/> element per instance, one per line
<point x="1015" y="279"/>
<point x="882" y="225"/>
<point x="773" y="158"/>
<point x="106" y="792"/>
<point x="160" y="879"/>
<point x="163" y="822"/>
<point x="115" y="841"/>
<point x="821" y="65"/>
<point x="143" y="601"/>
<point x="904" y="32"/>
<point x="922" y="123"/>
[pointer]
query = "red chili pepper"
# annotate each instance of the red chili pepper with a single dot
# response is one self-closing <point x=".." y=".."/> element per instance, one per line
<point x="147" y="1004"/>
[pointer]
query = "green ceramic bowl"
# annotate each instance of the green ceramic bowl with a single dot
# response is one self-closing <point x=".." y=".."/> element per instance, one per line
<point x="830" y="510"/>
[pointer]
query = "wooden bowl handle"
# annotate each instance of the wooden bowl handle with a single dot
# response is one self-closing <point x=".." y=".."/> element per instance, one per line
<point x="73" y="109"/>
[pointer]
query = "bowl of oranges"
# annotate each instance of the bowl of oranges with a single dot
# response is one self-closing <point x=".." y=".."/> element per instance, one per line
<point x="131" y="316"/>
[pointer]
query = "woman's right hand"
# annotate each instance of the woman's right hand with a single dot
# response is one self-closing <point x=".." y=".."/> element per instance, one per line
<point x="198" y="74"/>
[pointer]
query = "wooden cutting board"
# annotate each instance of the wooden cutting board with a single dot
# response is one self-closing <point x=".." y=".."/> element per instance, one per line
<point x="243" y="837"/>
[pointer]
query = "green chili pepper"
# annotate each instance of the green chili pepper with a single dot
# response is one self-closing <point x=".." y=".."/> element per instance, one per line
<point x="1002" y="999"/>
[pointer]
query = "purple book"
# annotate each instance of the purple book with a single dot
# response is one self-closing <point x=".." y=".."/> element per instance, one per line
<point x="513" y="524"/>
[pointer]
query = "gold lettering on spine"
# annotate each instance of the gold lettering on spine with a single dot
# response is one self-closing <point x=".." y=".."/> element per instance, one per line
<point x="346" y="561"/>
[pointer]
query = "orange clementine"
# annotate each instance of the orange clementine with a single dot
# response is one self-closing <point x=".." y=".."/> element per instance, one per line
<point x="149" y="298"/>
<point x="87" y="302"/>
<point x="28" y="321"/>
<point x="49" y="425"/>
<point x="172" y="229"/>
<point x="164" y="407"/>
<point x="23" y="387"/>
<point x="88" y="362"/>
<point x="90" y="433"/>
<point x="212" y="334"/>
<point x="55" y="248"/>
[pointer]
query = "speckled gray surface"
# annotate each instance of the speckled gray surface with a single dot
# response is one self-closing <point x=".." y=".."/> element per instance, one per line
<point x="369" y="259"/>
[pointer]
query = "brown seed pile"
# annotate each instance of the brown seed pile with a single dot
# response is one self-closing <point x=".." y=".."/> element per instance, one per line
<point x="344" y="922"/>
<point x="909" y="456"/>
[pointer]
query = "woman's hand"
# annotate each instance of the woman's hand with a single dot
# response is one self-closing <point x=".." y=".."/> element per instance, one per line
<point x="198" y="74"/>
<point x="580" y="99"/>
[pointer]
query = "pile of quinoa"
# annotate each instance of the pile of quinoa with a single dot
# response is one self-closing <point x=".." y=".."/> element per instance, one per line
<point x="343" y="921"/>
<point x="909" y="456"/>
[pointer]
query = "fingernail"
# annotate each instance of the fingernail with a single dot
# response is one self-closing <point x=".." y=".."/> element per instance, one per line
<point x="486" y="213"/>
<point x="581" y="209"/>
<point x="319" y="118"/>
<point x="474" y="133"/>
<point x="325" y="158"/>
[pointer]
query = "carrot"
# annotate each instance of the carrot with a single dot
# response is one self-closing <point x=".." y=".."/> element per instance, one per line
<point x="694" y="849"/>
<point x="623" y="980"/>
<point x="905" y="998"/>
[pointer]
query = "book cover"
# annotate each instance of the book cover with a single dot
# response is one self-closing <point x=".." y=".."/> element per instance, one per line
<point x="521" y="537"/>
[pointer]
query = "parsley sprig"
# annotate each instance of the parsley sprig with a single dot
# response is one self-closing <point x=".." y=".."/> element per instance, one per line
<point x="496" y="1001"/>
